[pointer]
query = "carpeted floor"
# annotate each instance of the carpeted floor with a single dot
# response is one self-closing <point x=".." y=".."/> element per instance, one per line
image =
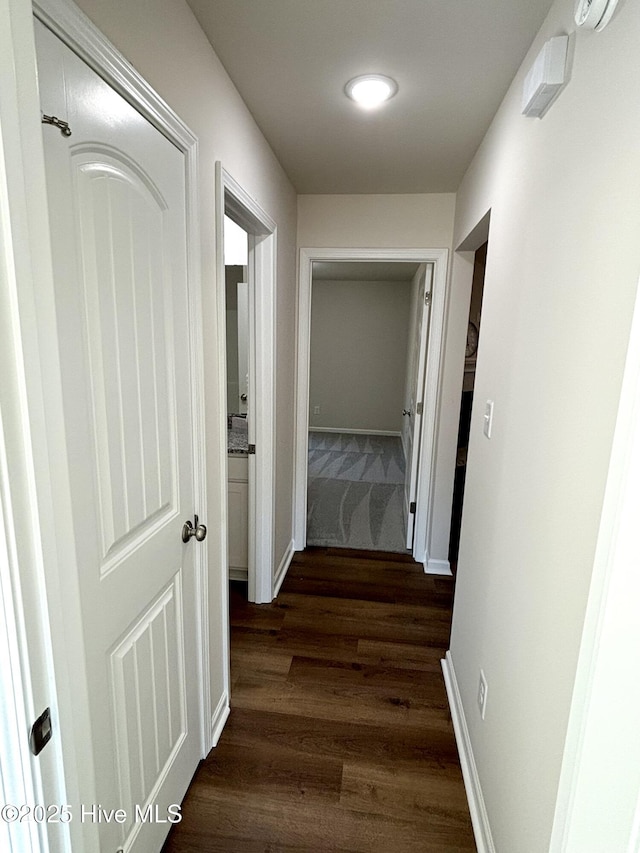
<point x="356" y="492"/>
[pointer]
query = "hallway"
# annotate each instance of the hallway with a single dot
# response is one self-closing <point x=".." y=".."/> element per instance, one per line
<point x="339" y="736"/>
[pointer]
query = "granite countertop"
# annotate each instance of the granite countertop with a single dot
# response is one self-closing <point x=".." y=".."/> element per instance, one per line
<point x="237" y="435"/>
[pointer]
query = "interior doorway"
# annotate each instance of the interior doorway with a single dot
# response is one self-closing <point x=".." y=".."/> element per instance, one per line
<point x="425" y="419"/>
<point x="237" y="205"/>
<point x="361" y="366"/>
<point x="239" y="407"/>
<point x="466" y="402"/>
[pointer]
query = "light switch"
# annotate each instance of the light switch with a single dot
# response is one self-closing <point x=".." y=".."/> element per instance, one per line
<point x="488" y="418"/>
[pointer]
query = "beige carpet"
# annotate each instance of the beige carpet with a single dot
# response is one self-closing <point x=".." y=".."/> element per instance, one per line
<point x="356" y="492"/>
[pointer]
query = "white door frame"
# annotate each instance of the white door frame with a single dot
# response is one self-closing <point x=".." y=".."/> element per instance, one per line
<point x="235" y="202"/>
<point x="42" y="402"/>
<point x="28" y="680"/>
<point x="426" y="475"/>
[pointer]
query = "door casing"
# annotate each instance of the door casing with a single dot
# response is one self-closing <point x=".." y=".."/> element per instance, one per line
<point x="426" y="474"/>
<point x="233" y="200"/>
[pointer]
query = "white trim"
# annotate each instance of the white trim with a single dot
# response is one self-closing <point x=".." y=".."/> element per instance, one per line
<point x="233" y="200"/>
<point x="349" y="431"/>
<point x="598" y="802"/>
<point x="477" y="809"/>
<point x="426" y="475"/>
<point x="19" y="780"/>
<point x="437" y="567"/>
<point x="219" y="718"/>
<point x="32" y="599"/>
<point x="281" y="571"/>
<point x="78" y="32"/>
<point x="81" y="36"/>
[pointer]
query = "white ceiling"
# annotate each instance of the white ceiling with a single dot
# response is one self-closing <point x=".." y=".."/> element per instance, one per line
<point x="453" y="61"/>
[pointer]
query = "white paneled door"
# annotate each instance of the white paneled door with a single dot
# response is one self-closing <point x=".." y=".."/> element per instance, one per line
<point x="117" y="204"/>
<point x="416" y="403"/>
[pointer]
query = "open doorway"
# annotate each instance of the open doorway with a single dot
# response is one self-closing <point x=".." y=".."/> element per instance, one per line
<point x="425" y="416"/>
<point x="466" y="403"/>
<point x="257" y="382"/>
<point x="239" y="407"/>
<point x="360" y="362"/>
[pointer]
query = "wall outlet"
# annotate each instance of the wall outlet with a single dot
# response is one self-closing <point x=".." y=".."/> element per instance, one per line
<point x="482" y="694"/>
<point x="316" y="410"/>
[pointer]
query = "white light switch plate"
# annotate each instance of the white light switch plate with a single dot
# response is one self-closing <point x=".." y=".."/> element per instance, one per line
<point x="488" y="418"/>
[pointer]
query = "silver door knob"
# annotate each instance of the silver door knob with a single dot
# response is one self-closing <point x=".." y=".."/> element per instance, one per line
<point x="195" y="529"/>
<point x="243" y="397"/>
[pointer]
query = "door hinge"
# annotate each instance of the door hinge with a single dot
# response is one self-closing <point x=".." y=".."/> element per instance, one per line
<point x="41" y="732"/>
<point x="252" y="450"/>
<point x="63" y="126"/>
<point x="427" y="298"/>
<point x="418" y="408"/>
<point x="412" y="507"/>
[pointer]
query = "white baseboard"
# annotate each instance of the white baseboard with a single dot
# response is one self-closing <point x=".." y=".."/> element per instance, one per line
<point x="437" y="567"/>
<point x="238" y="574"/>
<point x="349" y="431"/>
<point x="219" y="718"/>
<point x="477" y="809"/>
<point x="282" y="569"/>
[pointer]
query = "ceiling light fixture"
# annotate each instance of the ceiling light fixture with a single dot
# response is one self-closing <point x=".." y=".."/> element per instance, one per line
<point x="371" y="90"/>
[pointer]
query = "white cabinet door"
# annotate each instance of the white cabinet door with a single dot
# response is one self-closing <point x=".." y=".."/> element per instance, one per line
<point x="238" y="529"/>
<point x="117" y="203"/>
<point x="238" y="494"/>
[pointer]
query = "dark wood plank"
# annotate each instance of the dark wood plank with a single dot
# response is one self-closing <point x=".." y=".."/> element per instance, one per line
<point x="433" y="750"/>
<point x="400" y="655"/>
<point x="339" y="736"/>
<point x="322" y="615"/>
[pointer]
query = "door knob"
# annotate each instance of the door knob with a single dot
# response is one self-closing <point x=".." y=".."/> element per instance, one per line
<point x="195" y="529"/>
<point x="406" y="412"/>
<point x="243" y="397"/>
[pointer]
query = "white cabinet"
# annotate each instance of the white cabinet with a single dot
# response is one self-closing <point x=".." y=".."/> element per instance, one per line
<point x="238" y="496"/>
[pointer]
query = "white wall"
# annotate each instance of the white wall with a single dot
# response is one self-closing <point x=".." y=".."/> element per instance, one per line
<point x="359" y="333"/>
<point x="163" y="41"/>
<point x="562" y="268"/>
<point x="376" y="221"/>
<point x="423" y="220"/>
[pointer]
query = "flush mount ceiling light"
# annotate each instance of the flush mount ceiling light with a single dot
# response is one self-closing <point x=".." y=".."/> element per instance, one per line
<point x="371" y="90"/>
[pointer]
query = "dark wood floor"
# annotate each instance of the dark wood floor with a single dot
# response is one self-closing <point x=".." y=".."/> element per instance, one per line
<point x="339" y="737"/>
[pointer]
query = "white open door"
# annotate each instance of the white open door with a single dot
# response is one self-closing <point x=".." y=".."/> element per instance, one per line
<point x="416" y="406"/>
<point x="117" y="202"/>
